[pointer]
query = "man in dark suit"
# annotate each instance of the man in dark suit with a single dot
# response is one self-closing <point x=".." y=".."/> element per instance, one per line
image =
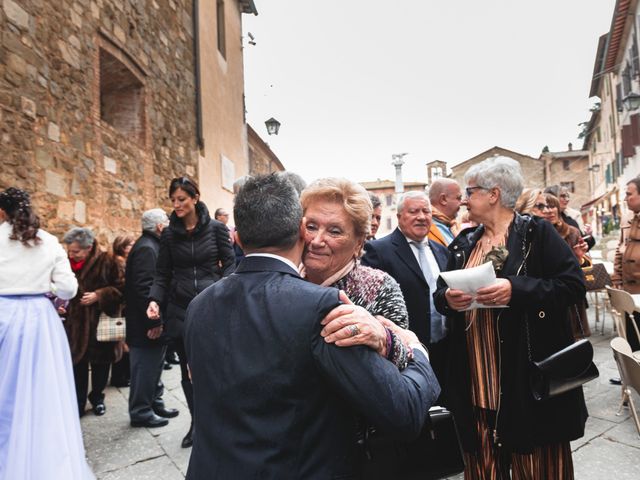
<point x="415" y="263"/>
<point x="272" y="399"/>
<point x="146" y="348"/>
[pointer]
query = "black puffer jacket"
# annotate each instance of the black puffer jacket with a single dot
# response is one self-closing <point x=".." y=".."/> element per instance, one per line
<point x="189" y="263"/>
<point x="553" y="283"/>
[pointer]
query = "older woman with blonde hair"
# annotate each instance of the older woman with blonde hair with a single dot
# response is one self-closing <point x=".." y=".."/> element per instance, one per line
<point x="531" y="202"/>
<point x="502" y="426"/>
<point x="337" y="215"/>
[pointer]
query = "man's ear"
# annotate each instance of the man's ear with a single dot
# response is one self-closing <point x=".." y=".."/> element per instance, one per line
<point x="303" y="227"/>
<point x="236" y="238"/>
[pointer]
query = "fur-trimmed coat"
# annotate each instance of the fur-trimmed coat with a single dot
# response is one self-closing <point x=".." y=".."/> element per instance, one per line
<point x="100" y="274"/>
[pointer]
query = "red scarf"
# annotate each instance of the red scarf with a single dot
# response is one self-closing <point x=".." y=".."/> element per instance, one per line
<point x="76" y="266"/>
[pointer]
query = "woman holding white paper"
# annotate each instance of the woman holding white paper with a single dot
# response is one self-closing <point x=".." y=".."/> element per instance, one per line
<point x="503" y="429"/>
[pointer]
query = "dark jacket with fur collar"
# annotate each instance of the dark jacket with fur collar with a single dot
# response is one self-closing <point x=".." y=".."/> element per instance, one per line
<point x="100" y="274"/>
<point x="553" y="283"/>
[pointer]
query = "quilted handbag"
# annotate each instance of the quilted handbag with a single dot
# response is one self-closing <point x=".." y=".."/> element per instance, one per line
<point x="111" y="329"/>
<point x="596" y="277"/>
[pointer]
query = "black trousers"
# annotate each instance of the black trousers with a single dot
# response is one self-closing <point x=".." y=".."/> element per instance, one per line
<point x="146" y="389"/>
<point x="120" y="371"/>
<point x="99" y="377"/>
<point x="187" y="387"/>
<point x="632" y="337"/>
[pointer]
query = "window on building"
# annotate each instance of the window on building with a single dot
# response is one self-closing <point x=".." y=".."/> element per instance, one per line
<point x="222" y="45"/>
<point x="389" y="199"/>
<point x="388" y="223"/>
<point x="598" y="135"/>
<point x="568" y="185"/>
<point x="122" y="103"/>
<point x="566" y="165"/>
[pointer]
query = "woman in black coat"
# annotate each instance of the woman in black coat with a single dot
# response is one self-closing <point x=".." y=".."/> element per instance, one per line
<point x="195" y="252"/>
<point x="487" y="388"/>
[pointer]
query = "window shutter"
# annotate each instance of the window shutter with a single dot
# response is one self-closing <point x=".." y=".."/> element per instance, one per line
<point x="619" y="97"/>
<point x="635" y="129"/>
<point x="628" y="149"/>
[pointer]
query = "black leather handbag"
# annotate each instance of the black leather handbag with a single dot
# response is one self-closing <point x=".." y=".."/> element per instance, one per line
<point x="436" y="453"/>
<point x="565" y="370"/>
<point x="562" y="371"/>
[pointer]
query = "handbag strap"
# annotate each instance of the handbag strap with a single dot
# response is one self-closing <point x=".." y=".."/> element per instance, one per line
<point x="525" y="254"/>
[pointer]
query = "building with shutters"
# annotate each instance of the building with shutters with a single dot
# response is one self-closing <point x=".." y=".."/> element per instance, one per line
<point x="621" y="59"/>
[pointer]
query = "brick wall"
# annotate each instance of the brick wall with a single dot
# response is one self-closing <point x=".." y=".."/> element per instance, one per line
<point x="80" y="168"/>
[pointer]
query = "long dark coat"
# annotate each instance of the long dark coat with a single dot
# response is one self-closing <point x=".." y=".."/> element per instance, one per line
<point x="553" y="284"/>
<point x="101" y="274"/>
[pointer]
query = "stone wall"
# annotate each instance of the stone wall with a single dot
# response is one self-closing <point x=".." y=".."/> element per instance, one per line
<point x="262" y="160"/>
<point x="96" y="107"/>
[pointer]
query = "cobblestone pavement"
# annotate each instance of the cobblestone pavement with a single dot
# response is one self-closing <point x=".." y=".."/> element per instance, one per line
<point x="610" y="447"/>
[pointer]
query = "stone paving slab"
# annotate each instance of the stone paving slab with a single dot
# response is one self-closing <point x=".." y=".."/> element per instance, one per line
<point x="610" y="447"/>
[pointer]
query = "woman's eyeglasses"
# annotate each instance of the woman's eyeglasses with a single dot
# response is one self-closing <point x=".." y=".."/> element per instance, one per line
<point x="541" y="206"/>
<point x="565" y="196"/>
<point x="469" y="190"/>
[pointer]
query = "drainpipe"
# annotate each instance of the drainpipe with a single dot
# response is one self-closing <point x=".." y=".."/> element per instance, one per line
<point x="196" y="53"/>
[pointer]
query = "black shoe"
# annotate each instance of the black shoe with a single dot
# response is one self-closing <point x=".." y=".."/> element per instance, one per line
<point x="615" y="381"/>
<point x="172" y="358"/>
<point x="99" y="409"/>
<point x="167" y="366"/>
<point x="187" y="441"/>
<point x="121" y="384"/>
<point x="165" y="412"/>
<point x="153" y="422"/>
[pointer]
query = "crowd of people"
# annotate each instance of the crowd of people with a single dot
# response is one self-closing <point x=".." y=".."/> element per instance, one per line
<point x="302" y="338"/>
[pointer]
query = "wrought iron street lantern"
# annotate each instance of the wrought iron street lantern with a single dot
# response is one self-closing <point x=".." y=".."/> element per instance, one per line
<point x="632" y="101"/>
<point x="273" y="126"/>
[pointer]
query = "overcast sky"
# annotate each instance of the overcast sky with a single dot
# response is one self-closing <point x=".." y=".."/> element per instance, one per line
<point x="355" y="81"/>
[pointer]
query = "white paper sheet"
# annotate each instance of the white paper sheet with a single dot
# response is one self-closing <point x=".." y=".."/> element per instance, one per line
<point x="469" y="280"/>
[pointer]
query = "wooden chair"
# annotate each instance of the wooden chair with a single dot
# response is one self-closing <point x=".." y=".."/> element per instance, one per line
<point x="622" y="302"/>
<point x="629" y="369"/>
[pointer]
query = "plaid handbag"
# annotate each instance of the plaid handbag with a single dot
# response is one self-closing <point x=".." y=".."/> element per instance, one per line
<point x="111" y="329"/>
<point x="596" y="277"/>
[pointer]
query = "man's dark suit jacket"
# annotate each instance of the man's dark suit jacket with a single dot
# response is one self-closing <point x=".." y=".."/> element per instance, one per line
<point x="393" y="255"/>
<point x="141" y="267"/>
<point x="272" y="399"/>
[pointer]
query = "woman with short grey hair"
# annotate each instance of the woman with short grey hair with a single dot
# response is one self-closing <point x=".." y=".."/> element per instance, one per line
<point x="100" y="289"/>
<point x="84" y="237"/>
<point x="502" y="427"/>
<point x="501" y="172"/>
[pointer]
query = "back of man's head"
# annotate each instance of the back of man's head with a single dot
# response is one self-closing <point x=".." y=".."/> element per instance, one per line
<point x="267" y="213"/>
<point x="151" y="219"/>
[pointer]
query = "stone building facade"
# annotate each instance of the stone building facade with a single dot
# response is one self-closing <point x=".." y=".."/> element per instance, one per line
<point x="98" y="106"/>
<point x="532" y="168"/>
<point x="262" y="160"/>
<point x="569" y="169"/>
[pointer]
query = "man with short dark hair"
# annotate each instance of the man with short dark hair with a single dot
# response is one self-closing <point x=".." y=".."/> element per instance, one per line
<point x="376" y="216"/>
<point x="221" y="215"/>
<point x="272" y="398"/>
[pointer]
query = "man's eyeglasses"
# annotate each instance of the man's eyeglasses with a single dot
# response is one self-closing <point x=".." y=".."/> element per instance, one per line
<point x="469" y="190"/>
<point x="541" y="206"/>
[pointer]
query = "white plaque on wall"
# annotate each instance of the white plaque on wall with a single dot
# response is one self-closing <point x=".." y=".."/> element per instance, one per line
<point x="228" y="169"/>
